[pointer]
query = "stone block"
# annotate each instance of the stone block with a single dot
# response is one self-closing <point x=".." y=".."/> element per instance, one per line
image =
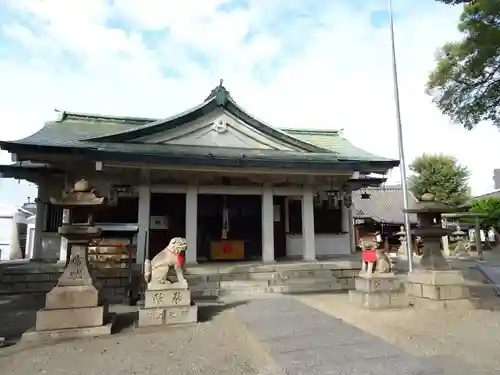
<point x="167" y="298"/>
<point x="71" y="297"/>
<point x="414" y="290"/>
<point x="456" y="304"/>
<point x="374" y="283"/>
<point x="56" y="319"/>
<point x="445" y="292"/>
<point x="441" y="277"/>
<point x="350" y="273"/>
<point x="167" y="316"/>
<point x="379" y="300"/>
<point x="239" y="284"/>
<point x="167" y="286"/>
<point x="32" y="335"/>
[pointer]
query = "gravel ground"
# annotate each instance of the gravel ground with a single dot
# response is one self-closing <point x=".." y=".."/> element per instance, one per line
<point x="463" y="342"/>
<point x="220" y="345"/>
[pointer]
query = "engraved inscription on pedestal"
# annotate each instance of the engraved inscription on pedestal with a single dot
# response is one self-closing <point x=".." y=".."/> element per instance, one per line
<point x="157" y="315"/>
<point x="158" y="298"/>
<point x="176" y="298"/>
<point x="76" y="272"/>
<point x="167" y="298"/>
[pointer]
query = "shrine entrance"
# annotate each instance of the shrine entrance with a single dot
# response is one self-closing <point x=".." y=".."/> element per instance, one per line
<point x="229" y="227"/>
<point x="168" y="220"/>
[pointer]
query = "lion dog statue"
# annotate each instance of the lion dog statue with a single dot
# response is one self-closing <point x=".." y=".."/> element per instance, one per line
<point x="381" y="263"/>
<point x="156" y="270"/>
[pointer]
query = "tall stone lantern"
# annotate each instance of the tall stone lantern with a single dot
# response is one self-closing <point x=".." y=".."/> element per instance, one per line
<point x="434" y="283"/>
<point x="430" y="229"/>
<point x="72" y="307"/>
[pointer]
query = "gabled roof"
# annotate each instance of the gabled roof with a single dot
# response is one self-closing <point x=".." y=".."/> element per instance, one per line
<point x="219" y="97"/>
<point x="385" y="205"/>
<point x="118" y="135"/>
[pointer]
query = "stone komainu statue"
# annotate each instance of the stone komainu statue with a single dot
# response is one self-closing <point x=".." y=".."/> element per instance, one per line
<point x="156" y="270"/>
<point x="379" y="263"/>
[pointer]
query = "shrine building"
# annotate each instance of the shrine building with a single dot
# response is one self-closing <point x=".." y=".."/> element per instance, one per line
<point x="235" y="187"/>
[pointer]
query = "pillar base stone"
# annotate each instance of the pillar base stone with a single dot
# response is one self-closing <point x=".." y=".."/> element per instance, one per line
<point x="440" y="289"/>
<point x="169" y="304"/>
<point x="379" y="291"/>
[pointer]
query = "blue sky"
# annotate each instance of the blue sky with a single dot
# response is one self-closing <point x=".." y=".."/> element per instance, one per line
<point x="295" y="63"/>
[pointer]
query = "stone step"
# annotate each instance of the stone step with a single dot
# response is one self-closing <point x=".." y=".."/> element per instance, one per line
<point x="289" y="274"/>
<point x="305" y="281"/>
<point x="239" y="284"/>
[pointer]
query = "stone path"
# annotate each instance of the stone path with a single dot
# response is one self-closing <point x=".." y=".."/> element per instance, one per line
<point x="492" y="272"/>
<point x="304" y="340"/>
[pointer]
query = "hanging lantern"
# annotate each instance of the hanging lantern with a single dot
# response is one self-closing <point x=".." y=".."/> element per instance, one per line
<point x="365" y="194"/>
<point x="347" y="198"/>
<point x="333" y="200"/>
<point x="317" y="200"/>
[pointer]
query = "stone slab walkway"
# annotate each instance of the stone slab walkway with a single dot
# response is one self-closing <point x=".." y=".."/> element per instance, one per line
<point x="303" y="340"/>
<point x="492" y="272"/>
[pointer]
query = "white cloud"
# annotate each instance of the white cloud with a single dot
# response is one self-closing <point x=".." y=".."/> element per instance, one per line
<point x="318" y="65"/>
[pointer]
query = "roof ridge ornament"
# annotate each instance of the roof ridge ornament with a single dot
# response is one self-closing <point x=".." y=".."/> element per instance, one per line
<point x="220" y="93"/>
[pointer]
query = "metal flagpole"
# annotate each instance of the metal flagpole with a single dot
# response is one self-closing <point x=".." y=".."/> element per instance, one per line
<point x="402" y="165"/>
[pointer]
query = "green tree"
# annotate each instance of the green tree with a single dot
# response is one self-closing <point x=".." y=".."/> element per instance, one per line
<point x="465" y="84"/>
<point x="455" y="2"/>
<point x="491" y="207"/>
<point x="440" y="175"/>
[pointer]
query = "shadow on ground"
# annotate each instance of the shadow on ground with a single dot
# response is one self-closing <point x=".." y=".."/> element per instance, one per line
<point x="18" y="313"/>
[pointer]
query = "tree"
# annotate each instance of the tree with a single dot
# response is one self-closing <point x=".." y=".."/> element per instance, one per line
<point x="491" y="207"/>
<point x="455" y="2"/>
<point x="465" y="84"/>
<point x="442" y="176"/>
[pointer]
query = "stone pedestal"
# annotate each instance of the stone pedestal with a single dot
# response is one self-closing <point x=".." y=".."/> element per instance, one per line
<point x="438" y="289"/>
<point x="379" y="291"/>
<point x="167" y="304"/>
<point x="72" y="307"/>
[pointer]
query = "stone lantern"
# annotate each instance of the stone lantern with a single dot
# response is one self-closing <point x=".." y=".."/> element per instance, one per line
<point x="434" y="284"/>
<point x="461" y="246"/>
<point x="72" y="307"/>
<point x="430" y="230"/>
<point x="402" y="251"/>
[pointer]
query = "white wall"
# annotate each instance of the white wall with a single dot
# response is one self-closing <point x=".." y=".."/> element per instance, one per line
<point x="326" y="244"/>
<point x="6" y="224"/>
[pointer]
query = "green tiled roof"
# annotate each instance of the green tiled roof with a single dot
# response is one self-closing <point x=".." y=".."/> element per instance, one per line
<point x="333" y="140"/>
<point x="117" y="134"/>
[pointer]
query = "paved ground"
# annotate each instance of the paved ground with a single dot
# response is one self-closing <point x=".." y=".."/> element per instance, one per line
<point x="462" y="342"/>
<point x="304" y="341"/>
<point x="492" y="272"/>
<point x="221" y="345"/>
<point x="313" y="334"/>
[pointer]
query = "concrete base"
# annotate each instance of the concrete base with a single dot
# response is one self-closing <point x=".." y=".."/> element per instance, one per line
<point x="71" y="297"/>
<point x="173" y="315"/>
<point x="440" y="289"/>
<point x="78" y="317"/>
<point x="171" y="305"/>
<point x="32" y="335"/>
<point x="379" y="291"/>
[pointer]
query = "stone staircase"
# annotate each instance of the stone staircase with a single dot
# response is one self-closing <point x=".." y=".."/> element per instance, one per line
<point x="290" y="278"/>
<point x="206" y="280"/>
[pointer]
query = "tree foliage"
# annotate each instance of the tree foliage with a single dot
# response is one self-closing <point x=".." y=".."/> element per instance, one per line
<point x="455" y="2"/>
<point x="465" y="84"/>
<point x="491" y="207"/>
<point x="440" y="175"/>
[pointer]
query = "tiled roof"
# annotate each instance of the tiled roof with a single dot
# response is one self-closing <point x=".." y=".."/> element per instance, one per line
<point x="384" y="205"/>
<point x="103" y="133"/>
